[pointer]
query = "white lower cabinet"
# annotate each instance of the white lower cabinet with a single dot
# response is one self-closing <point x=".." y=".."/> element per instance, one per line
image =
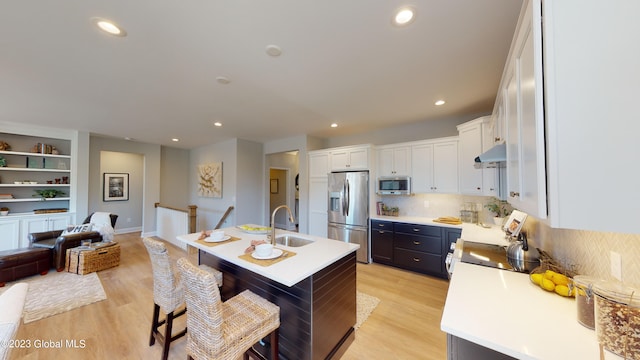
<point x="9" y="234"/>
<point x="41" y="223"/>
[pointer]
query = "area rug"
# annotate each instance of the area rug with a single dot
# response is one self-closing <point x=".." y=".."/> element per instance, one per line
<point x="58" y="292"/>
<point x="365" y="304"/>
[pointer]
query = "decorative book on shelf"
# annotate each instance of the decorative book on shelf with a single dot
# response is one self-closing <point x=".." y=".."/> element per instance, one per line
<point x="49" y="211"/>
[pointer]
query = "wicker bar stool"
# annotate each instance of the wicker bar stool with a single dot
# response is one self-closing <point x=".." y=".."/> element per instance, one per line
<point x="225" y="330"/>
<point x="168" y="294"/>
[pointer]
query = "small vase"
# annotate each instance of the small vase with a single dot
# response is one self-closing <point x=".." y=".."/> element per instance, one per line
<point x="498" y="220"/>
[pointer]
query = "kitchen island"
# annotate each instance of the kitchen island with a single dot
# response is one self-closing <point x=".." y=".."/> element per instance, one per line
<point x="315" y="289"/>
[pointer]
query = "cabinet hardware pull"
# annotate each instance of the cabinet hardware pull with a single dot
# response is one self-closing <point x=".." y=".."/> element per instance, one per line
<point x="416" y="230"/>
<point x="478" y="188"/>
<point x="416" y="259"/>
<point x="416" y="243"/>
<point x="496" y="139"/>
<point x="380" y="232"/>
<point x="514" y="194"/>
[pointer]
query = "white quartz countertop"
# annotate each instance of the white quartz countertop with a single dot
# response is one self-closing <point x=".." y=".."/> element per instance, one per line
<point x="502" y="310"/>
<point x="308" y="260"/>
<point x="470" y="232"/>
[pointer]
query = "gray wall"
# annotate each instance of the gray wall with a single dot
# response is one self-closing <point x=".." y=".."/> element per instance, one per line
<point x="150" y="182"/>
<point x="129" y="211"/>
<point x="174" y="181"/>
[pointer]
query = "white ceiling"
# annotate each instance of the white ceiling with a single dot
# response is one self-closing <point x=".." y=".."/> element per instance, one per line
<point x="342" y="61"/>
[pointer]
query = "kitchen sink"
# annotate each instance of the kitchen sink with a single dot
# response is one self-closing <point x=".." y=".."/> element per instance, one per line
<point x="292" y="240"/>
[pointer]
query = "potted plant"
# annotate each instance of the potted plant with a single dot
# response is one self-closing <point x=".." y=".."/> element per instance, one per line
<point x="500" y="209"/>
<point x="4" y="211"/>
<point x="48" y="193"/>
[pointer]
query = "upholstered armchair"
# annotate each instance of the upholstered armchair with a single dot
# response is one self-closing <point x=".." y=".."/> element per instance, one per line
<point x="59" y="243"/>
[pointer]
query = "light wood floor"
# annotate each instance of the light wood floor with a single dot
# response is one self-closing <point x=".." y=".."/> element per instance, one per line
<point x="405" y="325"/>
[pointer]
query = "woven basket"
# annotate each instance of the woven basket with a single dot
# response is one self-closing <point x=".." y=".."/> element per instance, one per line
<point x="82" y="261"/>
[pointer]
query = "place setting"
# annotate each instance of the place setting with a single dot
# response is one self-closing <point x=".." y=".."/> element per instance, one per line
<point x="214" y="237"/>
<point x="263" y="253"/>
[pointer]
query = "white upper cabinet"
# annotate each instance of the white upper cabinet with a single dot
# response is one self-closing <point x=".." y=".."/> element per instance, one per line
<point x="318" y="164"/>
<point x="522" y="91"/>
<point x="490" y="175"/>
<point x="318" y="185"/>
<point x="470" y="137"/>
<point x="394" y="161"/>
<point x="592" y="84"/>
<point x="350" y="158"/>
<point x="434" y="166"/>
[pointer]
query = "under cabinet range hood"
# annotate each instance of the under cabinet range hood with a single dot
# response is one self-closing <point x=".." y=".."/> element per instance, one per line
<point x="493" y="156"/>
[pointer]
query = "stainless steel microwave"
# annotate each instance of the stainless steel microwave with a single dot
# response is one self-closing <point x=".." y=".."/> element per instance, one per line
<point x="394" y="185"/>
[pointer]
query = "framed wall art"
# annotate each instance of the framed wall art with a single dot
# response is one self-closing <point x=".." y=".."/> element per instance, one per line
<point x="274" y="186"/>
<point x="210" y="180"/>
<point x="115" y="187"/>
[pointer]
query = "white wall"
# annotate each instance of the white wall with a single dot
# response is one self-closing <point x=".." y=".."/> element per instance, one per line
<point x="423" y="130"/>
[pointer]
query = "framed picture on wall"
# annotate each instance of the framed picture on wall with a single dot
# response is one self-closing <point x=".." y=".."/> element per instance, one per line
<point x="210" y="180"/>
<point x="115" y="187"/>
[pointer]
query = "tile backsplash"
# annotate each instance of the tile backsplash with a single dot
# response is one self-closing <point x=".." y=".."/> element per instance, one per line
<point x="588" y="252"/>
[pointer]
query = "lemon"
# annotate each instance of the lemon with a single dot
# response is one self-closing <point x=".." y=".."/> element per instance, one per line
<point x="563" y="290"/>
<point x="547" y="284"/>
<point x="560" y="279"/>
<point x="549" y="274"/>
<point x="535" y="278"/>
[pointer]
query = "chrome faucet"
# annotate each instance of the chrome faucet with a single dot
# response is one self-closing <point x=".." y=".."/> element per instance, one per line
<point x="273" y="222"/>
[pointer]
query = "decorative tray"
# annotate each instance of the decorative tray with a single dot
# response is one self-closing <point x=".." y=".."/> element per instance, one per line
<point x="254" y="229"/>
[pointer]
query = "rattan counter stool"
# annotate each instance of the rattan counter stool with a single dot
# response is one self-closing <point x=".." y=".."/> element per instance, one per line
<point x="168" y="294"/>
<point x="225" y="330"/>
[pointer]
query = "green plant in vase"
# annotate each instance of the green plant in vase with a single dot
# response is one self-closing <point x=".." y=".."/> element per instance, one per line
<point x="48" y="193"/>
<point x="500" y="209"/>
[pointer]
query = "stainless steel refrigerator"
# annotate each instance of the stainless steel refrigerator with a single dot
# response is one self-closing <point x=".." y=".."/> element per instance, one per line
<point x="349" y="210"/>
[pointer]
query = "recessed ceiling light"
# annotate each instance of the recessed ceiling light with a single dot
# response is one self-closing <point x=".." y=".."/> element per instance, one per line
<point x="273" y="50"/>
<point x="223" y="80"/>
<point x="175" y="139"/>
<point x="109" y="27"/>
<point x="404" y="16"/>
<point x="334" y="125"/>
<point x="217" y="123"/>
<point x="440" y="102"/>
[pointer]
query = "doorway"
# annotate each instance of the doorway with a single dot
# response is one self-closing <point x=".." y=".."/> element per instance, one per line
<point x="282" y="167"/>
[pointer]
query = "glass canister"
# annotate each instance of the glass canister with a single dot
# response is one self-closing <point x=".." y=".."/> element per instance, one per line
<point x="585" y="302"/>
<point x="617" y="318"/>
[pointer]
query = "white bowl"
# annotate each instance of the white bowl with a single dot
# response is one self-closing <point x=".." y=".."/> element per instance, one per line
<point x="264" y="250"/>
<point x="217" y="235"/>
<point x="17" y="182"/>
<point x="4" y="213"/>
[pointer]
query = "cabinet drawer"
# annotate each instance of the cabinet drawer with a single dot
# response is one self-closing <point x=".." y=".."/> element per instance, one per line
<point x="382" y="246"/>
<point x="430" y="244"/>
<point x="381" y="225"/>
<point x="415" y="229"/>
<point x="417" y="260"/>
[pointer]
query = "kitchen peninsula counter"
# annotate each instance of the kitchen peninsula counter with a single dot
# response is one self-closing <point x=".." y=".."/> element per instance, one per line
<point x="315" y="290"/>
<point x="503" y="311"/>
